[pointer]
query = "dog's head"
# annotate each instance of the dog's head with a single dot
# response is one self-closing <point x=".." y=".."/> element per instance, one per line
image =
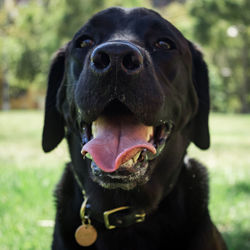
<point x="135" y="93"/>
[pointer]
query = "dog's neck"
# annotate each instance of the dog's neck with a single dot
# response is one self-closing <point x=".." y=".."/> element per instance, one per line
<point x="122" y="216"/>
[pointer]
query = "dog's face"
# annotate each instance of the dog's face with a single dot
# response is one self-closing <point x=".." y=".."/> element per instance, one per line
<point x="135" y="93"/>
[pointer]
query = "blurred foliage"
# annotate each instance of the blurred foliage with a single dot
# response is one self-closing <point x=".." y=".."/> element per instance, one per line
<point x="223" y="27"/>
<point x="33" y="30"/>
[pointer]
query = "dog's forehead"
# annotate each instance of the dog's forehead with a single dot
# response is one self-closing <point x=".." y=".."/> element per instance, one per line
<point x="121" y="23"/>
<point x="122" y="16"/>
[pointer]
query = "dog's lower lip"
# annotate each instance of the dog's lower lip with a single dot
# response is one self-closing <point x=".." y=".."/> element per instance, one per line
<point x="120" y="179"/>
<point x="121" y="174"/>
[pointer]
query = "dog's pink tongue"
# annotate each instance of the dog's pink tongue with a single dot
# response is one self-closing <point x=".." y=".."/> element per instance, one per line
<point x="117" y="140"/>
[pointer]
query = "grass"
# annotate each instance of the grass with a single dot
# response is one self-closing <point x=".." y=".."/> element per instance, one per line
<point x="228" y="161"/>
<point x="27" y="181"/>
<point x="28" y="177"/>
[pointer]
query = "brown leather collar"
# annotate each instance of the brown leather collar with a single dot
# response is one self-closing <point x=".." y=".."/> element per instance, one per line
<point x="119" y="217"/>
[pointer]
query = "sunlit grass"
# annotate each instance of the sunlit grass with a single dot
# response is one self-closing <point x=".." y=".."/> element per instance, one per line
<point x="28" y="177"/>
<point x="27" y="180"/>
<point x="228" y="161"/>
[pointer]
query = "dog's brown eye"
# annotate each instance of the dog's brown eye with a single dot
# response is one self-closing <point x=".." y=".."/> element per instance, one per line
<point x="86" y="43"/>
<point x="164" y="44"/>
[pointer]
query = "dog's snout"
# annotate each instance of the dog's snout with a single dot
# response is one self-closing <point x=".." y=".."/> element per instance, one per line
<point x="117" y="56"/>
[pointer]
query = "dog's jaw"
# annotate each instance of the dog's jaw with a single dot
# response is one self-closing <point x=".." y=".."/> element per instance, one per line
<point x="137" y="162"/>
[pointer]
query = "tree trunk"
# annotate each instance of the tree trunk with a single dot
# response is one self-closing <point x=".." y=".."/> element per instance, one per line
<point x="4" y="92"/>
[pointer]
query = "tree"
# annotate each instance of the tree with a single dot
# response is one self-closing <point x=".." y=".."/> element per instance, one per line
<point x="31" y="32"/>
<point x="224" y="27"/>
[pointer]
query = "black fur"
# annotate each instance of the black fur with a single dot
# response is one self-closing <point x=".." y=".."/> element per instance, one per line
<point x="53" y="131"/>
<point x="170" y="85"/>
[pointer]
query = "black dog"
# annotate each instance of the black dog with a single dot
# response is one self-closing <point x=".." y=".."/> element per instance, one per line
<point x="130" y="93"/>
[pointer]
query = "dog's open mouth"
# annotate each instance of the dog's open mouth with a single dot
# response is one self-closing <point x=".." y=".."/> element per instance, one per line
<point x="121" y="149"/>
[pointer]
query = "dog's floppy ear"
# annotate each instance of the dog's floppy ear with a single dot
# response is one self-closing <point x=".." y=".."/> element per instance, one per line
<point x="200" y="131"/>
<point x="53" y="130"/>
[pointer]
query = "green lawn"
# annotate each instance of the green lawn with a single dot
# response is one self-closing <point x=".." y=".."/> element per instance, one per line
<point x="28" y="177"/>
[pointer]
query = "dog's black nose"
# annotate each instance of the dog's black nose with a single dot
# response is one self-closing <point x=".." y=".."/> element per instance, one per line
<point x="117" y="55"/>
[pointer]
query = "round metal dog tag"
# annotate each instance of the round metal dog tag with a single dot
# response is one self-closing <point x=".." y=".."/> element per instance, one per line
<point x="85" y="235"/>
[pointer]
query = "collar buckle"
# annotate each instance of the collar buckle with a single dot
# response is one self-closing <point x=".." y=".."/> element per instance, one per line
<point x="140" y="217"/>
<point x="123" y="220"/>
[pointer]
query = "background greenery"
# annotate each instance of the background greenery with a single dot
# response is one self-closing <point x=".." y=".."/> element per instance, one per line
<point x="32" y="30"/>
<point x="28" y="178"/>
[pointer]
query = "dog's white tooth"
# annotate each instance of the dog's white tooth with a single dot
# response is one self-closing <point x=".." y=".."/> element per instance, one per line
<point x="94" y="129"/>
<point x="135" y="158"/>
<point x="150" y="133"/>
<point x="88" y="155"/>
<point x="128" y="164"/>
